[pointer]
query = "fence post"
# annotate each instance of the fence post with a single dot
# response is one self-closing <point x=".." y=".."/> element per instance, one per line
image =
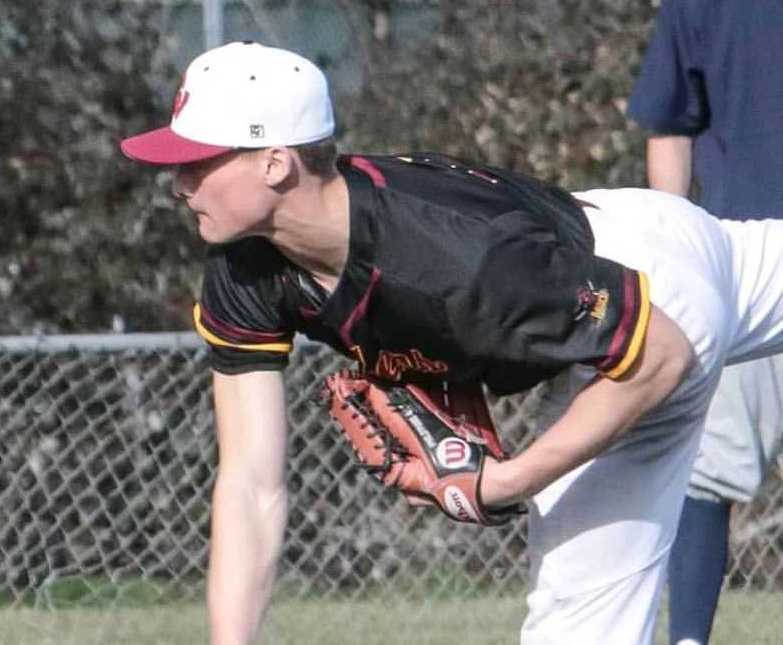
<point x="213" y="23"/>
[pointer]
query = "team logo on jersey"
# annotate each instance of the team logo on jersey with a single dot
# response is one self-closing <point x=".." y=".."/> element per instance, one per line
<point x="591" y="302"/>
<point x="453" y="453"/>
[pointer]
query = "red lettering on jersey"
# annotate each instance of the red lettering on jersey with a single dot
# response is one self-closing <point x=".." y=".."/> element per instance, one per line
<point x="392" y="365"/>
<point x="358" y="355"/>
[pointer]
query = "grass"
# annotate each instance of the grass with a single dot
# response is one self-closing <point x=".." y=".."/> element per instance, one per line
<point x="751" y="619"/>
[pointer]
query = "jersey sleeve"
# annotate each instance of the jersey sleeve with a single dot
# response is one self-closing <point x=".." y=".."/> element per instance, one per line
<point x="240" y="314"/>
<point x="669" y="96"/>
<point x="541" y="302"/>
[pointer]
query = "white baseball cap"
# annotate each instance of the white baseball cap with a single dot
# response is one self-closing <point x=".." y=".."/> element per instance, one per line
<point x="240" y="95"/>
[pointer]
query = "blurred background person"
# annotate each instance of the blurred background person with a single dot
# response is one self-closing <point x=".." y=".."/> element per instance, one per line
<point x="710" y="93"/>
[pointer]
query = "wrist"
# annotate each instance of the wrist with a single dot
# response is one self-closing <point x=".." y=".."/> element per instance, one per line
<point x="499" y="487"/>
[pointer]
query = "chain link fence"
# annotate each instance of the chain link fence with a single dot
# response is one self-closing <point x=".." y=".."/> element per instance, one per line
<point x="108" y="460"/>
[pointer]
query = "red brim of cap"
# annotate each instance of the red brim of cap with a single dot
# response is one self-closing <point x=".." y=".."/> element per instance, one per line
<point x="164" y="147"/>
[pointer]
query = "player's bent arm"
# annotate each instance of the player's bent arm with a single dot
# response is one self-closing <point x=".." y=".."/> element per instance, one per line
<point x="669" y="163"/>
<point x="597" y="416"/>
<point x="249" y="502"/>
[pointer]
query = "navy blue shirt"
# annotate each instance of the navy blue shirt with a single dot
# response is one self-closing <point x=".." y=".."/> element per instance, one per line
<point x="714" y="71"/>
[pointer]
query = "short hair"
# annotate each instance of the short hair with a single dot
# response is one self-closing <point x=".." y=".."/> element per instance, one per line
<point x="320" y="157"/>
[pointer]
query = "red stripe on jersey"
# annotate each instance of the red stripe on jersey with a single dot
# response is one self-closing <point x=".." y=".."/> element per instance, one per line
<point x="360" y="310"/>
<point x="622" y="335"/>
<point x="238" y="334"/>
<point x="370" y="169"/>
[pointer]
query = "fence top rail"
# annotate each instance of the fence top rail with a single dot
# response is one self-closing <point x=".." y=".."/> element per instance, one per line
<point x="51" y="344"/>
<point x="100" y="342"/>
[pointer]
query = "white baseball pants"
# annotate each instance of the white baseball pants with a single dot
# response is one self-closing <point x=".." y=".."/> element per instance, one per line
<point x="600" y="536"/>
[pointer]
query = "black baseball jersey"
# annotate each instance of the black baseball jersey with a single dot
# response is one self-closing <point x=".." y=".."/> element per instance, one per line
<point x="454" y="272"/>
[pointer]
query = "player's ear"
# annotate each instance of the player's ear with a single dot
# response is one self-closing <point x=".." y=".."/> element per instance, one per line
<point x="278" y="166"/>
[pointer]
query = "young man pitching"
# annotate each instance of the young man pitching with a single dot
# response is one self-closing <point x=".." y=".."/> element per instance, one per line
<point x="425" y="269"/>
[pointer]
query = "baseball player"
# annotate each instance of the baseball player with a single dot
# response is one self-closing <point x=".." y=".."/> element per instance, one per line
<point x="424" y="268"/>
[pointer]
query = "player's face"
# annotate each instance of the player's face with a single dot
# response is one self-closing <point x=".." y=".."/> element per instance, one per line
<point x="227" y="195"/>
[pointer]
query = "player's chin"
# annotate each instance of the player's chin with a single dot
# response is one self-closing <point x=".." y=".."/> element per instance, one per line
<point x="209" y="232"/>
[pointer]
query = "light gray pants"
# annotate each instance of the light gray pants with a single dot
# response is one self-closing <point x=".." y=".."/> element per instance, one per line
<point x="743" y="433"/>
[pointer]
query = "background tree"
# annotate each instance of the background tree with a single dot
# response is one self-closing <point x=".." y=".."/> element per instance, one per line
<point x="92" y="242"/>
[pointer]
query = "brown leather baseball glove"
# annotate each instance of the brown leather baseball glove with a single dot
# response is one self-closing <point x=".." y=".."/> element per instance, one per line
<point x="430" y="444"/>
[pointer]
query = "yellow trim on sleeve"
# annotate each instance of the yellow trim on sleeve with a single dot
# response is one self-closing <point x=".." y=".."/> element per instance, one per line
<point x="637" y="339"/>
<point x="283" y="348"/>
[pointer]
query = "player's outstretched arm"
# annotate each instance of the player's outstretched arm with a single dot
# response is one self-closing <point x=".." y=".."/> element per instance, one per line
<point x="597" y="416"/>
<point x="249" y="503"/>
